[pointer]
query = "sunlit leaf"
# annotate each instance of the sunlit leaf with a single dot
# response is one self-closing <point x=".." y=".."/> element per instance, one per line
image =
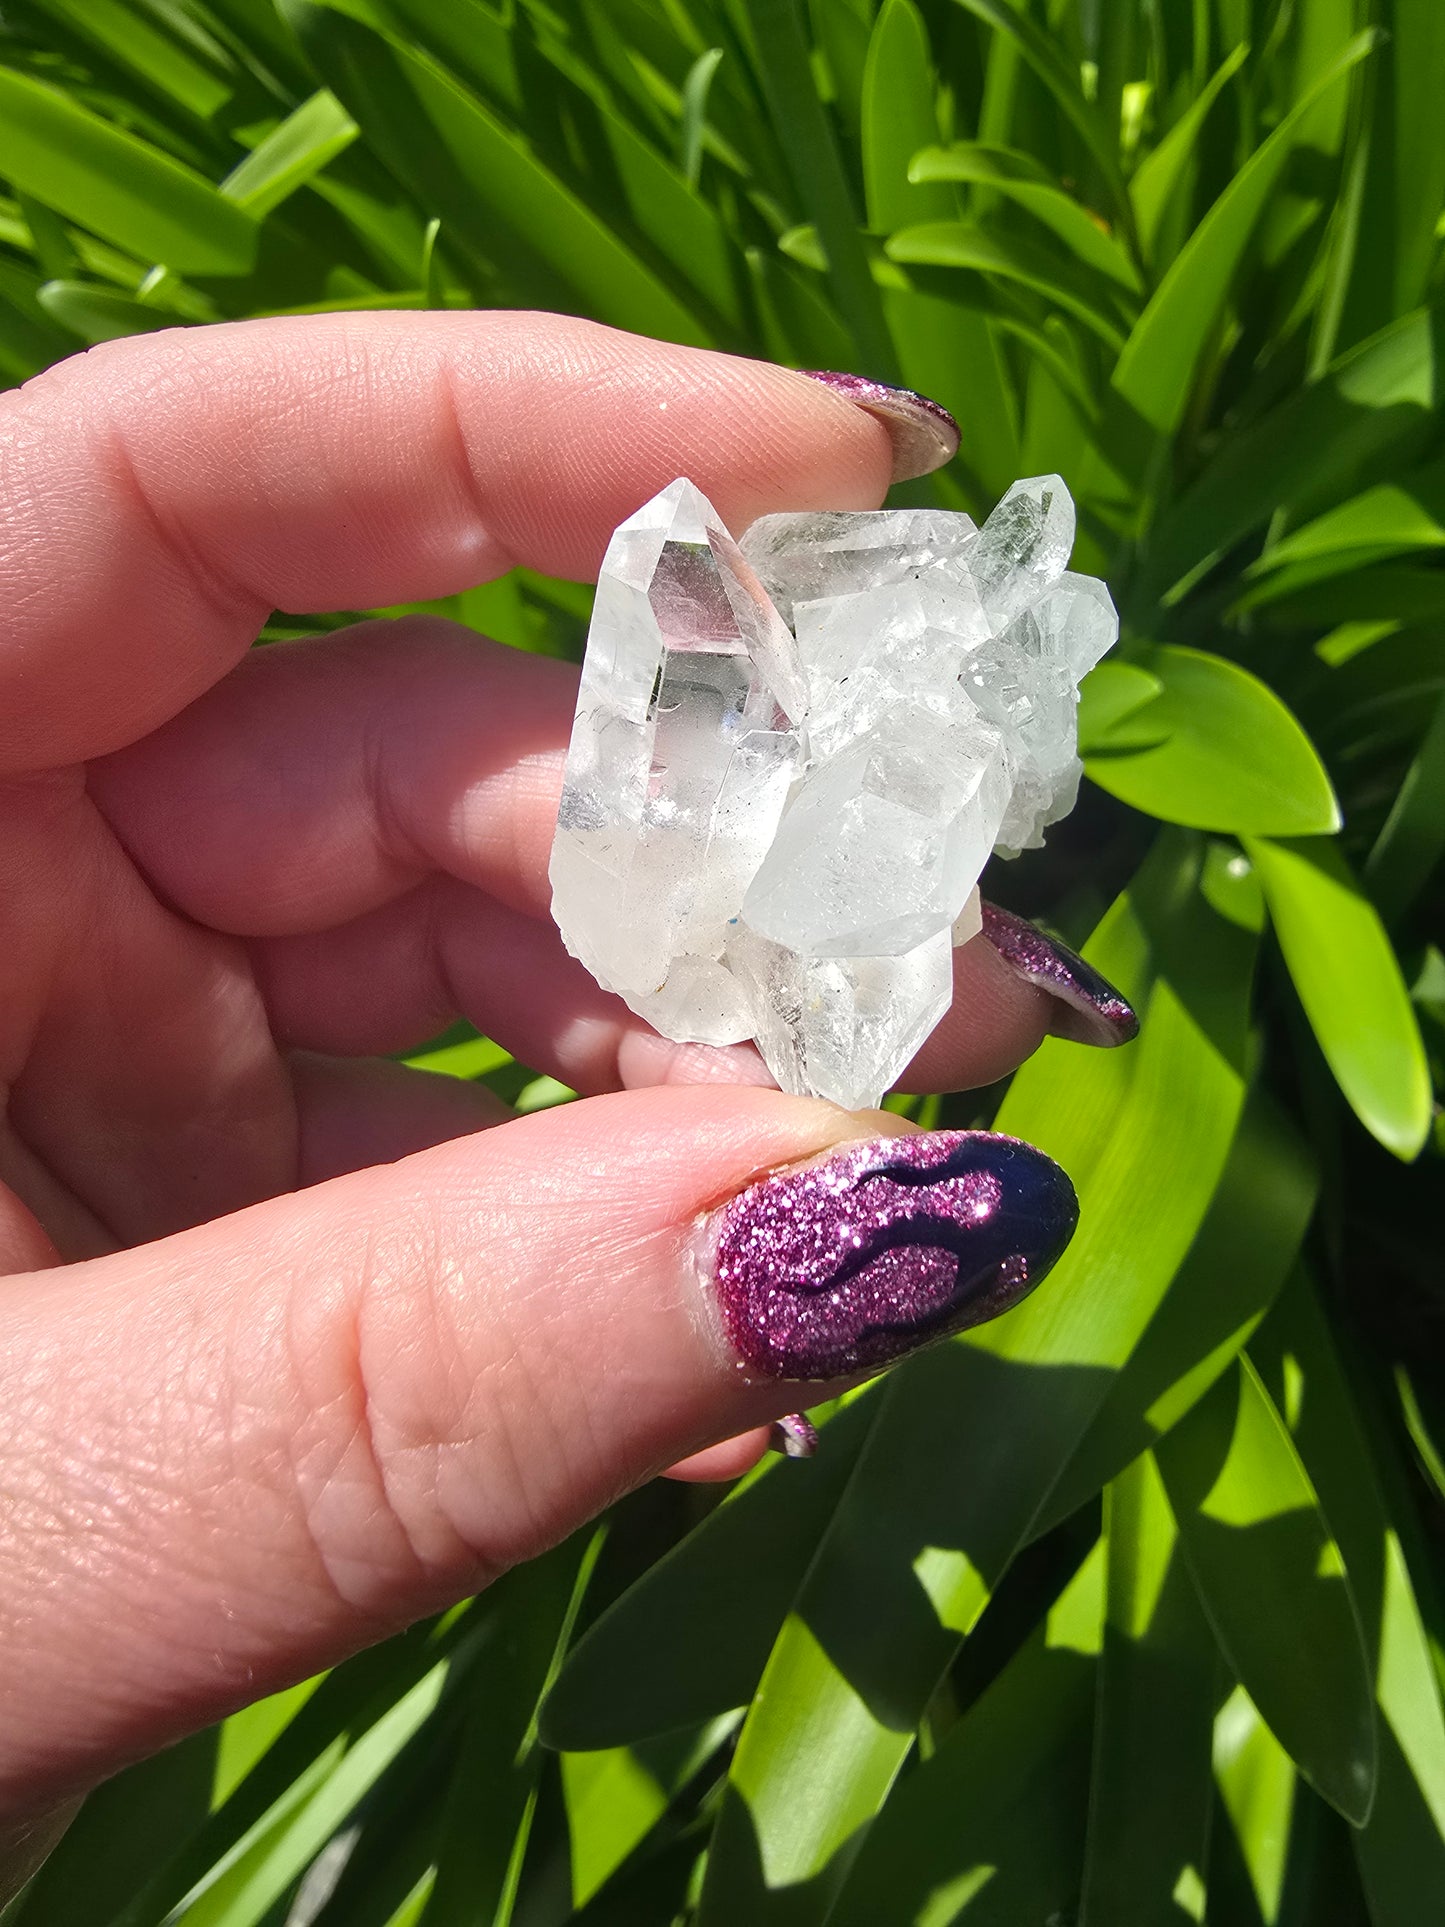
<point x="691" y="1638"/>
<point x="1274" y="1585"/>
<point x="1020" y="179"/>
<point x="990" y="1831"/>
<point x="1149" y="1799"/>
<point x="1349" y="982"/>
<point x="964" y="244"/>
<point x="291" y="154"/>
<point x="1156" y="369"/>
<point x="116" y="184"/>
<point x="1402" y="1850"/>
<point x="1237" y="1264"/>
<point x="1216" y="750"/>
<point x="1160" y="175"/>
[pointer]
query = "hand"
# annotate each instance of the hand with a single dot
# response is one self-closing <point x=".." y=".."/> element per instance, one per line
<point x="300" y="1344"/>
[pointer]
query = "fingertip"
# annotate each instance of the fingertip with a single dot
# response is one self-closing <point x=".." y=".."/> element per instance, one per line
<point x="717" y="1464"/>
<point x="923" y="435"/>
<point x="996" y="1020"/>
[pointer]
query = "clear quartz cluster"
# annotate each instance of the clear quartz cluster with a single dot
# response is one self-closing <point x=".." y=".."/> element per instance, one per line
<point x="793" y="756"/>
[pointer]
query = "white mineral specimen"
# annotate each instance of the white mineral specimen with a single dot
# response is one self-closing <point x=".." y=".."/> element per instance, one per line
<point x="793" y="756"/>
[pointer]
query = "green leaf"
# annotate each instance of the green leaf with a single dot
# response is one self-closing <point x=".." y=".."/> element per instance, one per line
<point x="1150" y="1790"/>
<point x="1383" y="597"/>
<point x="1273" y="1583"/>
<point x="1417" y="170"/>
<point x="1390" y="519"/>
<point x="100" y="314"/>
<point x="1349" y="982"/>
<point x="908" y="1563"/>
<point x="990" y="1830"/>
<point x="481" y="178"/>
<point x="806" y="139"/>
<point x="116" y="184"/>
<point x="188" y="68"/>
<point x="1109" y="695"/>
<point x="1402" y="1850"/>
<point x="1215" y="750"/>
<point x="1235" y="1268"/>
<point x="241" y="1891"/>
<point x="1162" y="173"/>
<point x="1413" y="837"/>
<point x="29" y="339"/>
<point x="1019" y="178"/>
<point x="899" y="114"/>
<point x="1375" y="402"/>
<point x="350" y="1701"/>
<point x="964" y="244"/>
<point x="1257" y="1784"/>
<point x="474" y="1057"/>
<point x="490" y="1802"/>
<point x="1044" y="55"/>
<point x="615" y="1797"/>
<point x="112" y="1845"/>
<point x="246" y="1736"/>
<point x="694" y="111"/>
<point x="1155" y="374"/>
<point x="291" y="154"/>
<point x="690" y="1638"/>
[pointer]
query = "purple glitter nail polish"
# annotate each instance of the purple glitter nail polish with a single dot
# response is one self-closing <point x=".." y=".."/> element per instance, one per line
<point x="925" y="435"/>
<point x="840" y="1267"/>
<point x="794" y="1436"/>
<point x="1088" y="1009"/>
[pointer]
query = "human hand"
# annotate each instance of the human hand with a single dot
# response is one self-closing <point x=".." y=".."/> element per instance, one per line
<point x="300" y="1344"/>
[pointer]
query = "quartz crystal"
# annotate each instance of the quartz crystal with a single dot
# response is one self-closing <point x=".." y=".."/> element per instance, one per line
<point x="793" y="756"/>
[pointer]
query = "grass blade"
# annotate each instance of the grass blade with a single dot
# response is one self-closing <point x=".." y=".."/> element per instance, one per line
<point x="1155" y="375"/>
<point x="291" y="154"/>
<point x="119" y="186"/>
<point x="803" y="133"/>
<point x="964" y="244"/>
<point x="1162" y="174"/>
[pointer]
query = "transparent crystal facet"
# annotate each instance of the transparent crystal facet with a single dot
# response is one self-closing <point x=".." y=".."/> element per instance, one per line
<point x="793" y="756"/>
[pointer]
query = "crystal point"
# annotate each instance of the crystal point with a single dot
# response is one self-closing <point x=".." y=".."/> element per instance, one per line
<point x="794" y="754"/>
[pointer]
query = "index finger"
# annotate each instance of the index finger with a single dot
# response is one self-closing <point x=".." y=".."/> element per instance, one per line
<point x="160" y="496"/>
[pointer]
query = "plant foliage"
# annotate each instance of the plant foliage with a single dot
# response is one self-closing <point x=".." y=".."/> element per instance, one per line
<point x="1127" y="1608"/>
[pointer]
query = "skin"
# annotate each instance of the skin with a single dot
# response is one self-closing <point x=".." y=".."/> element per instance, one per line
<point x="299" y="1344"/>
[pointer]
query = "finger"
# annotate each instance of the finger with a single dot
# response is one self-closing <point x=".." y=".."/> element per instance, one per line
<point x="160" y="495"/>
<point x="325" y="777"/>
<point x="717" y="1464"/>
<point x="353" y="1113"/>
<point x="234" y="1455"/>
<point x="322" y="780"/>
<point x="401" y="974"/>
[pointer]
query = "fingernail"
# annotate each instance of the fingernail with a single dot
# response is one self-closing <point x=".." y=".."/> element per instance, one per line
<point x="840" y="1267"/>
<point x="924" y="434"/>
<point x="794" y="1436"/>
<point x="1087" y="1008"/>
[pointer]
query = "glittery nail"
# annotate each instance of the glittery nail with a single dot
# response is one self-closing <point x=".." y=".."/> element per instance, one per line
<point x="837" y="1268"/>
<point x="924" y="434"/>
<point x="794" y="1436"/>
<point x="1087" y="1008"/>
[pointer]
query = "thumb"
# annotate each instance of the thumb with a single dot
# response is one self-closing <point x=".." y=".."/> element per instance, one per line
<point x="240" y="1453"/>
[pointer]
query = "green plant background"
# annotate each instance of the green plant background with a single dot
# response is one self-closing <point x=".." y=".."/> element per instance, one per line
<point x="1126" y="1609"/>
